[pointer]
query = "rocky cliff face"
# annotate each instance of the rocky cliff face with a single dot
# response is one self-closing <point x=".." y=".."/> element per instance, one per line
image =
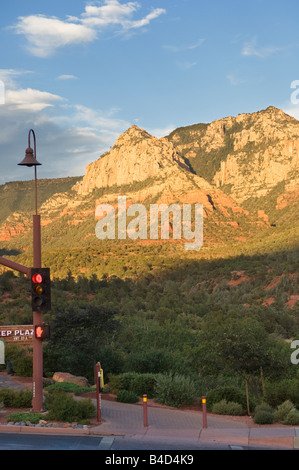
<point x="147" y="168"/>
<point x="246" y="156"/>
<point x="135" y="157"/>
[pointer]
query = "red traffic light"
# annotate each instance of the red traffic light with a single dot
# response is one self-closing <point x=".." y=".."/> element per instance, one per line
<point x="41" y="289"/>
<point x="37" y="278"/>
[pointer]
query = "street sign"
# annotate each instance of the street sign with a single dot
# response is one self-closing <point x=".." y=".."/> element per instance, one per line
<point x="17" y="334"/>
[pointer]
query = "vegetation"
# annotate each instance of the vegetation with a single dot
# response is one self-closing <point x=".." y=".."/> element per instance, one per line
<point x="228" y="408"/>
<point x="263" y="414"/>
<point x="209" y="321"/>
<point x="15" y="399"/>
<point x="26" y="417"/>
<point x="62" y="407"/>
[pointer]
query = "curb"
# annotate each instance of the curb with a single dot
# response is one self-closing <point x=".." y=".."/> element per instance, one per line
<point x="52" y="430"/>
<point x="283" y="442"/>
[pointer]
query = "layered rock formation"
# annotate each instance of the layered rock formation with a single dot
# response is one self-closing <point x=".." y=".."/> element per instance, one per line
<point x="246" y="156"/>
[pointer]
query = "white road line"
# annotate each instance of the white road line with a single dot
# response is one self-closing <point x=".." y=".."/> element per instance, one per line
<point x="106" y="443"/>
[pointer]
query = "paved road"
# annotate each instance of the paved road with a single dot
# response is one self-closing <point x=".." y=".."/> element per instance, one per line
<point x="20" y="441"/>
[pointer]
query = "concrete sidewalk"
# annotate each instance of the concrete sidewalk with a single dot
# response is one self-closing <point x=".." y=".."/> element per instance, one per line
<point x="187" y="426"/>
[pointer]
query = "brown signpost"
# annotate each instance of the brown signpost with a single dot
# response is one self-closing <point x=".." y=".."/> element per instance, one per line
<point x="21" y="334"/>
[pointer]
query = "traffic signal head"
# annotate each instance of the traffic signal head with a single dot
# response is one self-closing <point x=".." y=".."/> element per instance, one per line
<point x="42" y="331"/>
<point x="41" y="289"/>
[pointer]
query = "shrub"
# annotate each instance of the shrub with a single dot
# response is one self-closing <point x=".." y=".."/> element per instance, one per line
<point x="68" y="387"/>
<point x="16" y="398"/>
<point x="227" y="408"/>
<point x="174" y="390"/>
<point x="144" y="384"/>
<point x="121" y="381"/>
<point x="140" y="384"/>
<point x="63" y="407"/>
<point x="286" y="413"/>
<point x="263" y="414"/>
<point x="278" y="392"/>
<point x="283" y="410"/>
<point x="34" y="418"/>
<point x="126" y="396"/>
<point x="292" y="418"/>
<point x="227" y="393"/>
<point x="23" y="366"/>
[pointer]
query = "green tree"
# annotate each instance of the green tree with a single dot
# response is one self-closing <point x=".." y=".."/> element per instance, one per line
<point x="242" y="346"/>
<point x="78" y="335"/>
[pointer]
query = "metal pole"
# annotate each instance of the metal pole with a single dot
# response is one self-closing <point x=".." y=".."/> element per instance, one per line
<point x="145" y="420"/>
<point x="98" y="371"/>
<point x="18" y="267"/>
<point x="37" y="401"/>
<point x="204" y="412"/>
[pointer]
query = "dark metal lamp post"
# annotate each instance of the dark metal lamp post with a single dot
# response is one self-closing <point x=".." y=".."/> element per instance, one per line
<point x="37" y="402"/>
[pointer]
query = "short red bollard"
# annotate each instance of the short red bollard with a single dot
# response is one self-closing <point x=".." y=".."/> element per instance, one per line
<point x="204" y="412"/>
<point x="145" y="421"/>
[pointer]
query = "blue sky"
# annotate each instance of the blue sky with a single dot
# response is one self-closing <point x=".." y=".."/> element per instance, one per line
<point x="80" y="73"/>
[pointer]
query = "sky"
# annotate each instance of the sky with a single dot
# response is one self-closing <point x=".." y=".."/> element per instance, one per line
<point x="80" y="73"/>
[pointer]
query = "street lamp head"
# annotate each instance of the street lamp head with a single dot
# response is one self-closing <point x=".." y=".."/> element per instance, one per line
<point x="29" y="159"/>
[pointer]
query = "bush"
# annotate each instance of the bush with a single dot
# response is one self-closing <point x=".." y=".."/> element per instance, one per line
<point x="232" y="394"/>
<point x="263" y="414"/>
<point x="16" y="399"/>
<point x="286" y="413"/>
<point x="63" y="407"/>
<point x="68" y="388"/>
<point x="121" y="381"/>
<point x="144" y="384"/>
<point x="278" y="392"/>
<point x="227" y="408"/>
<point x="292" y="418"/>
<point x="126" y="396"/>
<point x="23" y="366"/>
<point x="139" y="384"/>
<point x="33" y="418"/>
<point x="283" y="410"/>
<point x="174" y="390"/>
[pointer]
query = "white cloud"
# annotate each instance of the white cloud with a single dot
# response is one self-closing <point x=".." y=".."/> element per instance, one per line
<point x="251" y="49"/>
<point x="233" y="79"/>
<point x="186" y="65"/>
<point x="29" y="99"/>
<point x="162" y="132"/>
<point x="67" y="77"/>
<point x="68" y="137"/>
<point x="185" y="48"/>
<point x="45" y="35"/>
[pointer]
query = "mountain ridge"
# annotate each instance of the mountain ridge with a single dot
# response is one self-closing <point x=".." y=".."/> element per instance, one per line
<point x="149" y="170"/>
